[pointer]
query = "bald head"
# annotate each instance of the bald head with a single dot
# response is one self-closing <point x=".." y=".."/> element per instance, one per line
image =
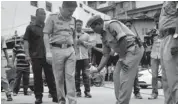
<point x="40" y="15"/>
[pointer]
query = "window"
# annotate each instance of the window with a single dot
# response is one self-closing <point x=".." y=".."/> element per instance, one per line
<point x="48" y="6"/>
<point x="34" y="3"/>
<point x="102" y="2"/>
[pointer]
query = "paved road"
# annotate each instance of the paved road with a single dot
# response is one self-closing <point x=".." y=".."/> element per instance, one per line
<point x="100" y="95"/>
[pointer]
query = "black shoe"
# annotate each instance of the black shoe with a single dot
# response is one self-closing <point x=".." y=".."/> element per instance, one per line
<point x="138" y="96"/>
<point x="79" y="94"/>
<point x="55" y="100"/>
<point x="9" y="98"/>
<point x="153" y="96"/>
<point x="38" y="101"/>
<point x="88" y="95"/>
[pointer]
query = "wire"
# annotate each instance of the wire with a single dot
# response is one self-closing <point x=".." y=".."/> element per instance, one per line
<point x="14" y="27"/>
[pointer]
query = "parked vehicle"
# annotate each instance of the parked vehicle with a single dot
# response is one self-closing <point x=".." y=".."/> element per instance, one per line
<point x="145" y="78"/>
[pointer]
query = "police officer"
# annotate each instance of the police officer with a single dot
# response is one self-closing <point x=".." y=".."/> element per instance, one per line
<point x="168" y="30"/>
<point x="118" y="37"/>
<point x="60" y="28"/>
<point x="82" y="64"/>
<point x="136" y="82"/>
<point x="35" y="51"/>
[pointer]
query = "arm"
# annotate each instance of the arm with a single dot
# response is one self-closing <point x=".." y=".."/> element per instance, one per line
<point x="26" y="43"/>
<point x="13" y="57"/>
<point x="4" y="47"/>
<point x="105" y="58"/>
<point x="46" y="43"/>
<point x="26" y="48"/>
<point x="6" y="55"/>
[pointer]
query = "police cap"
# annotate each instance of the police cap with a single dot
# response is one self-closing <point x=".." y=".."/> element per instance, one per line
<point x="93" y="19"/>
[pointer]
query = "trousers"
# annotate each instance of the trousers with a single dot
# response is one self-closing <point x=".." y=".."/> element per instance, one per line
<point x="169" y="64"/>
<point x="19" y="75"/>
<point x="155" y="67"/>
<point x="124" y="80"/>
<point x="63" y="63"/>
<point x="82" y="65"/>
<point x="37" y="65"/>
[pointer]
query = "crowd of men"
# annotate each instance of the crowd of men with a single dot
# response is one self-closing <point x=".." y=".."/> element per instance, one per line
<point x="60" y="48"/>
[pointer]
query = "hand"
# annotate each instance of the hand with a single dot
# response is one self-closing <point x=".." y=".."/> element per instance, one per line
<point x="28" y="58"/>
<point x="124" y="66"/>
<point x="95" y="71"/>
<point x="49" y="57"/>
<point x="79" y="42"/>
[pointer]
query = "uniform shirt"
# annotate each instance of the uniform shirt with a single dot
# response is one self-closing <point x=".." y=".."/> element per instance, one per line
<point x="21" y="62"/>
<point x="82" y="50"/>
<point x="119" y="30"/>
<point x="34" y="36"/>
<point x="168" y="16"/>
<point x="61" y="30"/>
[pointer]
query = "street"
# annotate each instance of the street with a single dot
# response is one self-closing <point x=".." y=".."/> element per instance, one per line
<point x="100" y="95"/>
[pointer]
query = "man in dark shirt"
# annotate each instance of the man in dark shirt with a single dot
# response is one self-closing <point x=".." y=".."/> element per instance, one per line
<point x="35" y="51"/>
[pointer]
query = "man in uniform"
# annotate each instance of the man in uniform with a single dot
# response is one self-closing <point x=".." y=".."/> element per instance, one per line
<point x="136" y="82"/>
<point x="168" y="31"/>
<point x="155" y="58"/>
<point x="60" y="29"/>
<point x="118" y="37"/>
<point x="35" y="51"/>
<point x="82" y="64"/>
<point x="4" y="62"/>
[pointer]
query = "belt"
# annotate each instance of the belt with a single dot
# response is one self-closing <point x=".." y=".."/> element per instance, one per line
<point x="61" y="45"/>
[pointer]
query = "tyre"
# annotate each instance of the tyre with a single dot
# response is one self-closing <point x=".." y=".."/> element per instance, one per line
<point x="31" y="88"/>
<point x="143" y="86"/>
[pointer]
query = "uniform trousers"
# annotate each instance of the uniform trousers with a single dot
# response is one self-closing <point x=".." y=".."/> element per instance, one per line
<point x="169" y="64"/>
<point x="64" y="62"/>
<point x="124" y="80"/>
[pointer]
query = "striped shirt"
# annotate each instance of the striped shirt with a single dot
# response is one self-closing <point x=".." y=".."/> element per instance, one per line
<point x="21" y="62"/>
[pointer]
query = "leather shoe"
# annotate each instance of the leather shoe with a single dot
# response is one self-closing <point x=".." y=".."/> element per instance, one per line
<point x="79" y="94"/>
<point x="153" y="96"/>
<point x="55" y="100"/>
<point x="88" y="95"/>
<point x="38" y="101"/>
<point x="138" y="96"/>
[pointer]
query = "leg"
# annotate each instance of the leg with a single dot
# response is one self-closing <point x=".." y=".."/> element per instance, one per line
<point x="132" y="60"/>
<point x="70" y="75"/>
<point x="171" y="67"/>
<point x="85" y="74"/>
<point x="58" y="57"/>
<point x="49" y="76"/>
<point x="38" y="82"/>
<point x="25" y="82"/>
<point x="17" y="81"/>
<point x="137" y="87"/>
<point x="77" y="77"/>
<point x="155" y="67"/>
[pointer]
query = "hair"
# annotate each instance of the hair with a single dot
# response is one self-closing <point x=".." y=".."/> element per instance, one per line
<point x="78" y="20"/>
<point x="37" y="10"/>
<point x="128" y="22"/>
<point x="69" y="4"/>
<point x="99" y="20"/>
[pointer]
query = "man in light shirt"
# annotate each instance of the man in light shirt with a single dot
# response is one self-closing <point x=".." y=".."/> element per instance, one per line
<point x="82" y="64"/>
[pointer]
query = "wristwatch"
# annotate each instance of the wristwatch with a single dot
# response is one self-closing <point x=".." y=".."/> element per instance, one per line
<point x="175" y="36"/>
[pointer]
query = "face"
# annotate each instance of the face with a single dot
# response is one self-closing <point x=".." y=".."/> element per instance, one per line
<point x="41" y="15"/>
<point x="79" y="26"/>
<point x="97" y="27"/>
<point x="68" y="11"/>
<point x="128" y="24"/>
